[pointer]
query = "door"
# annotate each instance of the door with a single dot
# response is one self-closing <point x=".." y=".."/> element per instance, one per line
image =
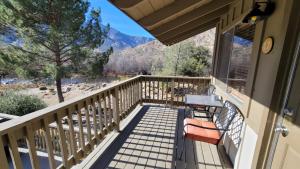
<point x="286" y="154"/>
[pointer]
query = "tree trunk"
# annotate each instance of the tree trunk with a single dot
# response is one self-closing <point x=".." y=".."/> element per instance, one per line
<point x="58" y="75"/>
<point x="58" y="86"/>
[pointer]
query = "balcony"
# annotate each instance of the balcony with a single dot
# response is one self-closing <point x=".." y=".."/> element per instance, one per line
<point x="136" y="123"/>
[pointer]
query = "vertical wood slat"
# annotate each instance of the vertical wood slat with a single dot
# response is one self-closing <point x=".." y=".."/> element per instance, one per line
<point x="49" y="146"/>
<point x="116" y="108"/>
<point x="13" y="149"/>
<point x="153" y="88"/>
<point x="31" y="147"/>
<point x="133" y="93"/>
<point x="193" y="86"/>
<point x="130" y="94"/>
<point x="124" y="100"/>
<point x="87" y="121"/>
<point x="126" y="97"/>
<point x="73" y="144"/>
<point x="62" y="140"/>
<point x="3" y="159"/>
<point x="121" y="100"/>
<point x="172" y="91"/>
<point x="136" y="90"/>
<point x="93" y="109"/>
<point x="109" y="107"/>
<point x="167" y="91"/>
<point x="105" y="111"/>
<point x="158" y="89"/>
<point x="144" y="87"/>
<point x="149" y="94"/>
<point x="141" y="90"/>
<point x="81" y="134"/>
<point x="100" y="113"/>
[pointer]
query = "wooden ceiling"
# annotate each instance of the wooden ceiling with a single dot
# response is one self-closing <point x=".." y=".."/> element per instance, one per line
<point x="172" y="21"/>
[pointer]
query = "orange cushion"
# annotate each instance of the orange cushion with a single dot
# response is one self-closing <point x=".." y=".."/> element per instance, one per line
<point x="201" y="134"/>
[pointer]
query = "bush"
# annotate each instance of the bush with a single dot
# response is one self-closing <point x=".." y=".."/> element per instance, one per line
<point x="19" y="104"/>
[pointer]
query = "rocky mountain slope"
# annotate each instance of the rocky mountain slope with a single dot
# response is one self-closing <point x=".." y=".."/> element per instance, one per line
<point x="142" y="57"/>
<point x="120" y="41"/>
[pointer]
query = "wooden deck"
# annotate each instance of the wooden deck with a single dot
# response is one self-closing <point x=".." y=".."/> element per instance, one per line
<point x="153" y="139"/>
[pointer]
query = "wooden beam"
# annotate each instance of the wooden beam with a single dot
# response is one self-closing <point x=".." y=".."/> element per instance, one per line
<point x="190" y="33"/>
<point x="168" y="11"/>
<point x="192" y="25"/>
<point x="197" y="13"/>
<point x="125" y="4"/>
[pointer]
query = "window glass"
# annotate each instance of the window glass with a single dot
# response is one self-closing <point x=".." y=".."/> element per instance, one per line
<point x="234" y="59"/>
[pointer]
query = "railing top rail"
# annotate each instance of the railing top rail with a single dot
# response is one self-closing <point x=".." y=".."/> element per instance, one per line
<point x="175" y="77"/>
<point x="8" y="116"/>
<point x="20" y="122"/>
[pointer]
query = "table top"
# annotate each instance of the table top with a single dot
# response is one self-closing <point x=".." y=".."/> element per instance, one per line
<point x="204" y="100"/>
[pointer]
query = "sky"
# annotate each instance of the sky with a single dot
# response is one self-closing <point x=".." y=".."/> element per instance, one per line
<point x="117" y="19"/>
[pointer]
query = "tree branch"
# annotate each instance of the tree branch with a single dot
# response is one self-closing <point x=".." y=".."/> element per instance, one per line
<point x="33" y="53"/>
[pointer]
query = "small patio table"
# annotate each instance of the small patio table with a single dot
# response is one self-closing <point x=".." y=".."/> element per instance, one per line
<point x="193" y="101"/>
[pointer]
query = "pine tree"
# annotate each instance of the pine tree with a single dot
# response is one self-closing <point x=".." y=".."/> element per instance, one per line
<point x="55" y="32"/>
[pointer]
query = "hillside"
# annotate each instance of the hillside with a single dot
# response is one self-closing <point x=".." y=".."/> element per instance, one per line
<point x="142" y="57"/>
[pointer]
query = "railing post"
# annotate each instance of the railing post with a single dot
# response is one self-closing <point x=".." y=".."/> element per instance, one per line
<point x="172" y="92"/>
<point x="116" y="111"/>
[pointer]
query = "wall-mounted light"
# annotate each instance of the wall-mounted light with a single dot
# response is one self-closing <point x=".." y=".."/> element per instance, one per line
<point x="259" y="12"/>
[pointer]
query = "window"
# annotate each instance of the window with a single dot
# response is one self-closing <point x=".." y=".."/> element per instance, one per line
<point x="234" y="59"/>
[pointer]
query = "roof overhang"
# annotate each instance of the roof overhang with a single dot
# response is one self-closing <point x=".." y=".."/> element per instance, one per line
<point x="172" y="21"/>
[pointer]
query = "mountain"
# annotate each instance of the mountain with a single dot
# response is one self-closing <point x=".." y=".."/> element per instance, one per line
<point x="143" y="57"/>
<point x="120" y="41"/>
<point x="116" y="39"/>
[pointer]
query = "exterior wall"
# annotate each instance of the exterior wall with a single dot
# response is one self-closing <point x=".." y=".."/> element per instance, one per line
<point x="261" y="79"/>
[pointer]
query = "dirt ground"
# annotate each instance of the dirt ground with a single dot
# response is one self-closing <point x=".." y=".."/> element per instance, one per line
<point x="49" y="96"/>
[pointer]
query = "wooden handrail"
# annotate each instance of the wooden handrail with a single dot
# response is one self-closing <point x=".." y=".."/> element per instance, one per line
<point x="73" y="128"/>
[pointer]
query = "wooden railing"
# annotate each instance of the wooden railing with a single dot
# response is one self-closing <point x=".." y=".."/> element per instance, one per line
<point x="171" y="90"/>
<point x="73" y="128"/>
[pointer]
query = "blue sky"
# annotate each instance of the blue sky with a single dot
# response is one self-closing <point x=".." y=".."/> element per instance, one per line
<point x="117" y="19"/>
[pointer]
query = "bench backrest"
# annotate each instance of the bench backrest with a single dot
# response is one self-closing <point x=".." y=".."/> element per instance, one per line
<point x="231" y="119"/>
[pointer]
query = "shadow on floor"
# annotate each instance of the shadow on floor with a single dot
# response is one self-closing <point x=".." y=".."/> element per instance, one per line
<point x="153" y="139"/>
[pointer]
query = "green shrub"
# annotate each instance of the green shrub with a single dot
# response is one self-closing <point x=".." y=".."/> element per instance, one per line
<point x="19" y="104"/>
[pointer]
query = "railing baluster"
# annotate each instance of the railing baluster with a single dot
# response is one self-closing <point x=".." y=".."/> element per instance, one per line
<point x="3" y="159"/>
<point x="105" y="111"/>
<point x="140" y="91"/>
<point x="93" y="110"/>
<point x="116" y="108"/>
<point x="172" y="92"/>
<point x="121" y="101"/>
<point x="13" y="149"/>
<point x="81" y="133"/>
<point x="109" y="108"/>
<point x="130" y="95"/>
<point x="31" y="147"/>
<point x="100" y="113"/>
<point x="49" y="144"/>
<point x="62" y="140"/>
<point x="87" y="122"/>
<point x="149" y="87"/>
<point x="73" y="144"/>
<point x="144" y="88"/>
